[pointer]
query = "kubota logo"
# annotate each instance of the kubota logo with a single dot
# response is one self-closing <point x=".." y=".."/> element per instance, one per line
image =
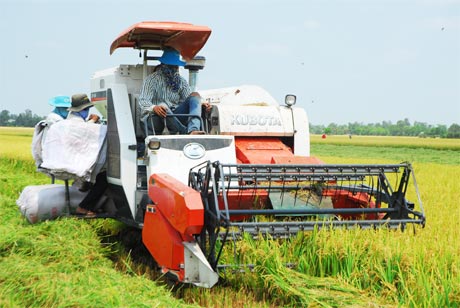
<point x="261" y="120"/>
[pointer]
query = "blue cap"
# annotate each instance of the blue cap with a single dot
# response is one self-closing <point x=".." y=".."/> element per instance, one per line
<point x="171" y="57"/>
<point x="60" y="101"/>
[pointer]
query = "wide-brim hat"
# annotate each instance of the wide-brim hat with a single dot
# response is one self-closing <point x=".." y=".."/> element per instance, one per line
<point x="80" y="102"/>
<point x="171" y="57"/>
<point x="60" y="101"/>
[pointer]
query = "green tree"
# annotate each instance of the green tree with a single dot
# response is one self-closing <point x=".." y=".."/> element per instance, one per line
<point x="4" y="117"/>
<point x="419" y="129"/>
<point x="453" y="131"/>
<point x="24" y="119"/>
<point x="386" y="128"/>
<point x="332" y="129"/>
<point x="438" y="131"/>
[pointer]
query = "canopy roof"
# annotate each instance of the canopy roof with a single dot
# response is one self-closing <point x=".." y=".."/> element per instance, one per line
<point x="186" y="38"/>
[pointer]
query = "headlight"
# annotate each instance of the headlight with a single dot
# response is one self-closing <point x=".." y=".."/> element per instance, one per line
<point x="290" y="100"/>
<point x="154" y="144"/>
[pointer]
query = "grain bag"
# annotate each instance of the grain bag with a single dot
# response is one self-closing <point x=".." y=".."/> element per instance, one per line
<point x="45" y="202"/>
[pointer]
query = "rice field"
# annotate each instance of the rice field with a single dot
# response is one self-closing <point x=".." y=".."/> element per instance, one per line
<point x="385" y="141"/>
<point x="15" y="142"/>
<point x="70" y="262"/>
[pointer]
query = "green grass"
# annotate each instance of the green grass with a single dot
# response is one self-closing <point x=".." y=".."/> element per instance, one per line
<point x="62" y="263"/>
<point x="389" y="141"/>
<point x="394" y="154"/>
<point x="394" y="149"/>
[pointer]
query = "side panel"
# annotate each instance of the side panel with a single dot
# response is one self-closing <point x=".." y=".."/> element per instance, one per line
<point x="163" y="241"/>
<point x="113" y="141"/>
<point x="301" y="132"/>
<point x="250" y="121"/>
<point x="180" y="204"/>
<point x="122" y="156"/>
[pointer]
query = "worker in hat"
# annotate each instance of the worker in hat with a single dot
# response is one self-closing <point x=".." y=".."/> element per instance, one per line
<point x="164" y="92"/>
<point x="79" y="108"/>
<point x="61" y="104"/>
<point x="79" y="111"/>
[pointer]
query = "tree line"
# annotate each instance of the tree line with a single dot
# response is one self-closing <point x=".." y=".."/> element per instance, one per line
<point x="385" y="128"/>
<point x="24" y="119"/>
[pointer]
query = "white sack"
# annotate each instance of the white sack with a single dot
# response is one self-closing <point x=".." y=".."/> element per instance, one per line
<point x="42" y="202"/>
<point x="40" y="135"/>
<point x="37" y="139"/>
<point x="73" y="147"/>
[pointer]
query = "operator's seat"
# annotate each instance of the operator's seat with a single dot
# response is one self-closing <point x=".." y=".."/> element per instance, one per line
<point x="137" y="115"/>
<point x="203" y="126"/>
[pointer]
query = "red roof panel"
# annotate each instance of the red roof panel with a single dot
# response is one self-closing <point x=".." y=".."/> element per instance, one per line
<point x="186" y="38"/>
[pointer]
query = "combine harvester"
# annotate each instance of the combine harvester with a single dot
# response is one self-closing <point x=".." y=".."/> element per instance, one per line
<point x="191" y="193"/>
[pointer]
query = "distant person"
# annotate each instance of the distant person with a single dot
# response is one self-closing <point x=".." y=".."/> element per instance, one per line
<point x="61" y="104"/>
<point x="166" y="92"/>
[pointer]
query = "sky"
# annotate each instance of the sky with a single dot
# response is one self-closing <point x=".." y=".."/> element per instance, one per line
<point x="347" y="61"/>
